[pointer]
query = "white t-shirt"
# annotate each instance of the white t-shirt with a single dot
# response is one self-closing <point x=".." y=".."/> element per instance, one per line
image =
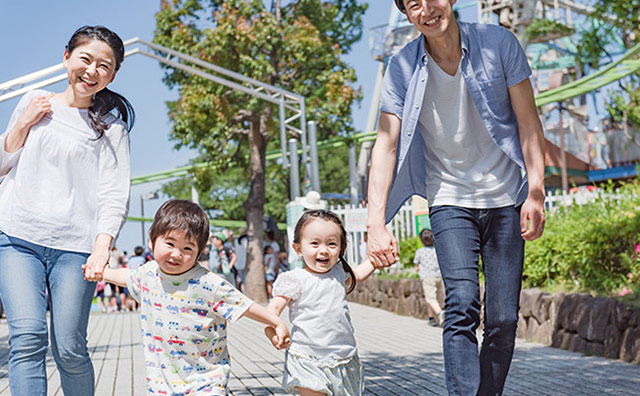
<point x="318" y="311"/>
<point x="64" y="186"/>
<point x="184" y="328"/>
<point x="465" y="167"/>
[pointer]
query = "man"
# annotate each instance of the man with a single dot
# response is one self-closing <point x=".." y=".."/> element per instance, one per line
<point x="459" y="121"/>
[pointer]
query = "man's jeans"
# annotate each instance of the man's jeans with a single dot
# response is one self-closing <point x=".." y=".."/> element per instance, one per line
<point x="460" y="236"/>
<point x="26" y="271"/>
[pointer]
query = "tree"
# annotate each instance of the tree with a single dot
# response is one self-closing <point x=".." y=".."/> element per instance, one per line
<point x="296" y="46"/>
<point x="614" y="21"/>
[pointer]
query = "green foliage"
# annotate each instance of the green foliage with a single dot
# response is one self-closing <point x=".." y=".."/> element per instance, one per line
<point x="297" y="48"/>
<point x="629" y="102"/>
<point x="541" y="27"/>
<point x="408" y="249"/>
<point x="589" y="247"/>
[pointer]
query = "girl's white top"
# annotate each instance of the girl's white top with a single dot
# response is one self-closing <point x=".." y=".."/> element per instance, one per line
<point x="65" y="186"/>
<point x="318" y="312"/>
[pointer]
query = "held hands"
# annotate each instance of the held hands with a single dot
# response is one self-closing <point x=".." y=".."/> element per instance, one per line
<point x="94" y="268"/>
<point x="532" y="217"/>
<point x="382" y="247"/>
<point x="279" y="335"/>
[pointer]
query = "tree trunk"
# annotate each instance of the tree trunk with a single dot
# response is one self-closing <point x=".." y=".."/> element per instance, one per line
<point x="254" y="207"/>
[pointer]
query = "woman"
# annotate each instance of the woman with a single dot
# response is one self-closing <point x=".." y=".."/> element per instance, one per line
<point x="64" y="199"/>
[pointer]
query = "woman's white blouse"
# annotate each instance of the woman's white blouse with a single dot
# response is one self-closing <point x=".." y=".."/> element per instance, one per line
<point x="65" y="186"/>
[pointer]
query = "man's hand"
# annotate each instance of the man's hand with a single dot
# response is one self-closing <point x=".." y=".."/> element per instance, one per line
<point x="532" y="217"/>
<point x="382" y="247"/>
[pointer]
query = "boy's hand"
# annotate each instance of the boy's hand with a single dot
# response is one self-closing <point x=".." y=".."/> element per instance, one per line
<point x="279" y="336"/>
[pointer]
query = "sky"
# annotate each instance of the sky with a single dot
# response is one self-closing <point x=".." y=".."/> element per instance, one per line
<point x="33" y="35"/>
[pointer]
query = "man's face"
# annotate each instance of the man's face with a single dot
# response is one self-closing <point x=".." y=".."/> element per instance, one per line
<point x="431" y="17"/>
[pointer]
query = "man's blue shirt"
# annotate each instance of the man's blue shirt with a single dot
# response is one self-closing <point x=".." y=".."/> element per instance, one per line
<point x="492" y="61"/>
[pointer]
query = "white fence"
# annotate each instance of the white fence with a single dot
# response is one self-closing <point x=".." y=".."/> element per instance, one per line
<point x="402" y="226"/>
<point x="555" y="200"/>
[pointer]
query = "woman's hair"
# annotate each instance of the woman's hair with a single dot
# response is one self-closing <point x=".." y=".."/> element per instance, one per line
<point x="426" y="236"/>
<point x="326" y="215"/>
<point x="181" y="215"/>
<point x="105" y="100"/>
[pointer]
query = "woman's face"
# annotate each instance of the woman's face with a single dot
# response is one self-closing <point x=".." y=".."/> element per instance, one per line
<point x="90" y="67"/>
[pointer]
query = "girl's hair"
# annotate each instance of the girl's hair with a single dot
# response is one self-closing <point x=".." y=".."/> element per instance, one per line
<point x="426" y="236"/>
<point x="105" y="100"/>
<point x="327" y="215"/>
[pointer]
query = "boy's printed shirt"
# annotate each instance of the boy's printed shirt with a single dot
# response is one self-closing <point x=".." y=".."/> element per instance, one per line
<point x="184" y="329"/>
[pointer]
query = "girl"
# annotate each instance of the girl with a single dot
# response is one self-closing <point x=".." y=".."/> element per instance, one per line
<point x="64" y="199"/>
<point x="320" y="361"/>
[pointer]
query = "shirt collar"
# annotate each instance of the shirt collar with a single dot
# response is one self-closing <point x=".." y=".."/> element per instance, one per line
<point x="464" y="41"/>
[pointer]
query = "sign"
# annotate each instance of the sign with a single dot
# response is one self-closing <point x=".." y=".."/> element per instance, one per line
<point x="355" y="220"/>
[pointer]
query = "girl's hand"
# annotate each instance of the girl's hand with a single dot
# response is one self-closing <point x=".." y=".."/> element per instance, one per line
<point x="279" y="336"/>
<point x="36" y="109"/>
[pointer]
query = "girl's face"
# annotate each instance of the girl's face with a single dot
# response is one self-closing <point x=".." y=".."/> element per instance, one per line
<point x="90" y="68"/>
<point x="319" y="245"/>
<point x="175" y="252"/>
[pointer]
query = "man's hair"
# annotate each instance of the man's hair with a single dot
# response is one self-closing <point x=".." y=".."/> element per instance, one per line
<point x="400" y="5"/>
<point x="426" y="236"/>
<point x="181" y="215"/>
<point x="138" y="250"/>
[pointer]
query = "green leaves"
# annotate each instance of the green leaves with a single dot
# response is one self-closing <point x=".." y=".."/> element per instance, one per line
<point x="299" y="52"/>
<point x="583" y="246"/>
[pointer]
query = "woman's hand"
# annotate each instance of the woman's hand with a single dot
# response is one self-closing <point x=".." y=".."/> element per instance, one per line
<point x="36" y="109"/>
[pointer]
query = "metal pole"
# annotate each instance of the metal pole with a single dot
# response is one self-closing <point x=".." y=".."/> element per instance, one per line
<point x="313" y="151"/>
<point x="142" y="216"/>
<point x="283" y="134"/>
<point x="294" y="171"/>
<point x="195" y="197"/>
<point x="563" y="154"/>
<point x="353" y="175"/>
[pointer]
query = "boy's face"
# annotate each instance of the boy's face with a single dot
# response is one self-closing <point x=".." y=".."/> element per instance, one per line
<point x="175" y="252"/>
<point x="217" y="242"/>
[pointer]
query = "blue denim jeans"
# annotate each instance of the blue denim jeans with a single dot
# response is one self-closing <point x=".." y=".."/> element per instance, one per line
<point x="27" y="271"/>
<point x="461" y="235"/>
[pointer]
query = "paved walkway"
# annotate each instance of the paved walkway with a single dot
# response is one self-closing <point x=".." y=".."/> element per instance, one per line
<point x="402" y="356"/>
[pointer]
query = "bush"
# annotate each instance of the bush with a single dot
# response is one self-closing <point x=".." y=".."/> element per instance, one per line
<point x="408" y="249"/>
<point x="590" y="247"/>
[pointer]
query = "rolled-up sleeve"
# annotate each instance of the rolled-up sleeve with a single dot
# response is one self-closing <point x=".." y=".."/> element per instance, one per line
<point x="394" y="89"/>
<point x="114" y="181"/>
<point x="9" y="160"/>
<point x="514" y="59"/>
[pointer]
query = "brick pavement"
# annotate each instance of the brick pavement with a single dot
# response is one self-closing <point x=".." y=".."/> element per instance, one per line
<point x="402" y="356"/>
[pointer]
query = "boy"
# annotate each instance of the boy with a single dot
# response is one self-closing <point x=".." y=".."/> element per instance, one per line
<point x="426" y="264"/>
<point x="184" y="308"/>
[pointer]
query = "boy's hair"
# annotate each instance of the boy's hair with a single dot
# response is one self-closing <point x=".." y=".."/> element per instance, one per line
<point x="400" y="5"/>
<point x="181" y="215"/>
<point x="327" y="215"/>
<point x="426" y="236"/>
<point x="267" y="248"/>
<point x="138" y="250"/>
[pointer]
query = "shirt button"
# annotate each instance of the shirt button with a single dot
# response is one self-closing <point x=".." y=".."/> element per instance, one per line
<point x="489" y="84"/>
<point x="417" y="106"/>
<point x="422" y="80"/>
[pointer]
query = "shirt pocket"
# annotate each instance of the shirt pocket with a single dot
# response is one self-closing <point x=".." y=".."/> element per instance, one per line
<point x="496" y="96"/>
